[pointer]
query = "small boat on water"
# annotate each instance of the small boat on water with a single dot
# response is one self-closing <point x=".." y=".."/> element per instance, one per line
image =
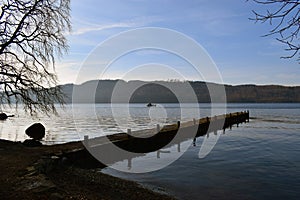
<point x="150" y="105"/>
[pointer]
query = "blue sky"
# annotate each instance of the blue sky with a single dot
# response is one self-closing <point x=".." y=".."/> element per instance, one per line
<point x="221" y="27"/>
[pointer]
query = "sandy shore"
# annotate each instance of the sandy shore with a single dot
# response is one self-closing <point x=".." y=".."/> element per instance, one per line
<point x="37" y="173"/>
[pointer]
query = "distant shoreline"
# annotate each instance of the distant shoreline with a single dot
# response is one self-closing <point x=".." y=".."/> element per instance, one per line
<point x="117" y="91"/>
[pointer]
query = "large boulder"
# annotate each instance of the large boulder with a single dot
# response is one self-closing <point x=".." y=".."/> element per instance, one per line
<point x="36" y="131"/>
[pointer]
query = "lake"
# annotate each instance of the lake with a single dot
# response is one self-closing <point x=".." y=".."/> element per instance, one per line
<point x="75" y="121"/>
<point x="257" y="160"/>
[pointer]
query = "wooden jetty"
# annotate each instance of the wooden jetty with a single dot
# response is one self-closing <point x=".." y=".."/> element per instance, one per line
<point x="149" y="140"/>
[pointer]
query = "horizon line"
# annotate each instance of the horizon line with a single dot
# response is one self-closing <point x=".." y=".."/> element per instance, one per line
<point x="183" y="81"/>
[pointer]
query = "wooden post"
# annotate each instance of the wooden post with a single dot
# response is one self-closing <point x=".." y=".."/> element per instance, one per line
<point x="248" y="115"/>
<point x="129" y="165"/>
<point x="178" y="147"/>
<point x="230" y="121"/>
<point x="194" y="120"/>
<point x="86" y="140"/>
<point x="129" y="131"/>
<point x="157" y="128"/>
<point x="178" y="124"/>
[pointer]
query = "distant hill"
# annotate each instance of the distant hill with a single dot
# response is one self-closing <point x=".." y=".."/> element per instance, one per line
<point x="158" y="92"/>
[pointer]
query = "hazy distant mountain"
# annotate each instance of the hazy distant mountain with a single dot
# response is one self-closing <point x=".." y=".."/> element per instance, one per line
<point x="102" y="91"/>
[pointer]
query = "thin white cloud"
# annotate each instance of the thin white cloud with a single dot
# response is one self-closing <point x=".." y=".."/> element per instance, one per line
<point x="86" y="27"/>
<point x="85" y="30"/>
<point x="149" y="52"/>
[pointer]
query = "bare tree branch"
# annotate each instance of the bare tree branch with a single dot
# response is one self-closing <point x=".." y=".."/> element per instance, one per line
<point x="285" y="18"/>
<point x="31" y="38"/>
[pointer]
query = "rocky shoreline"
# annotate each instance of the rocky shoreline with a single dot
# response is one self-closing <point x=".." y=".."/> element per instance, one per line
<point x="38" y="173"/>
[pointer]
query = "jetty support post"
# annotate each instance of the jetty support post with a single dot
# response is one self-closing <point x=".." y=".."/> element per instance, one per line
<point x="178" y="124"/>
<point x="247" y="115"/>
<point x="86" y="140"/>
<point x="128" y="131"/>
<point x="230" y="121"/>
<point x="157" y="128"/>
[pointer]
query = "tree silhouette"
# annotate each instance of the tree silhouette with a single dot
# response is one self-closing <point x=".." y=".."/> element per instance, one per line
<point x="283" y="15"/>
<point x="32" y="37"/>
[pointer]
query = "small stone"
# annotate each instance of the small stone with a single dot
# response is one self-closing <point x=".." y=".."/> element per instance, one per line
<point x="30" y="169"/>
<point x="36" y="131"/>
<point x="54" y="157"/>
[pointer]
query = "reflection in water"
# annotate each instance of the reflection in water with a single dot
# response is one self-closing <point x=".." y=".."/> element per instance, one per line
<point x="150" y="160"/>
<point x="142" y="160"/>
<point x="178" y="147"/>
<point x="259" y="160"/>
<point x="194" y="141"/>
<point x="129" y="163"/>
<point x="161" y="151"/>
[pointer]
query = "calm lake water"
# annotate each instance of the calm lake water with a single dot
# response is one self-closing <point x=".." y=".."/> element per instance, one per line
<point x="94" y="120"/>
<point x="257" y="160"/>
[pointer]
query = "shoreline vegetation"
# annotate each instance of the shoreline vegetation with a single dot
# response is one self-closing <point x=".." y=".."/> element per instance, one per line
<point x="38" y="173"/>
